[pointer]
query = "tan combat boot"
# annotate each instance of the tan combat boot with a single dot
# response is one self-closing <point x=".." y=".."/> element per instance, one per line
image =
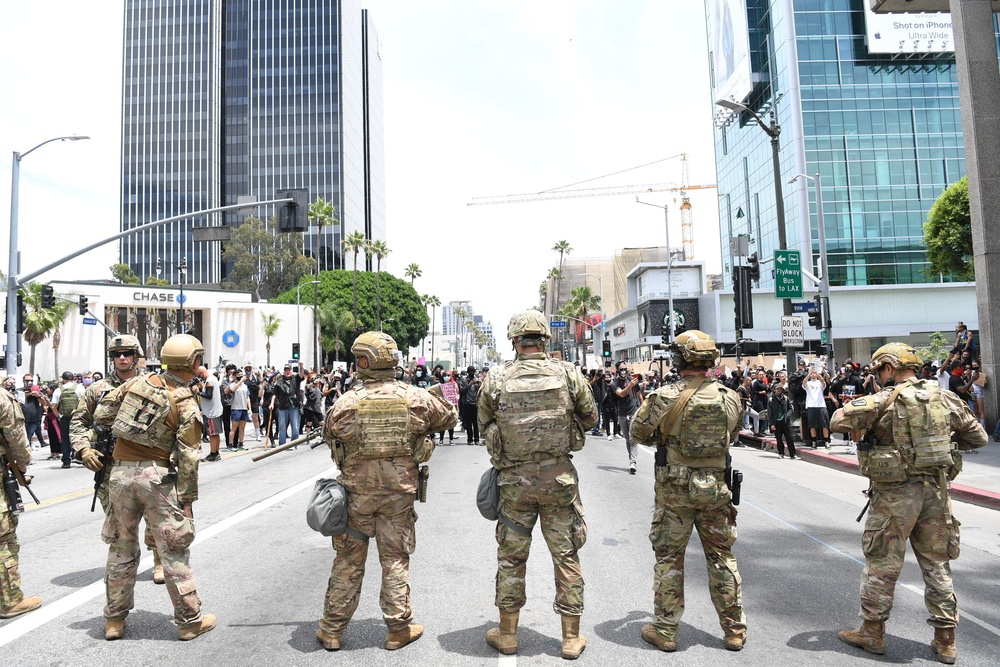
<point x="504" y="638"/>
<point x="400" y="638"/>
<point x="573" y="642"/>
<point x="22" y="607"/>
<point x="329" y="642"/>
<point x="189" y="632"/>
<point x="944" y="645"/>
<point x="157" y="568"/>
<point x="735" y="641"/>
<point x="870" y="636"/>
<point x="652" y="636"/>
<point x="114" y="628"/>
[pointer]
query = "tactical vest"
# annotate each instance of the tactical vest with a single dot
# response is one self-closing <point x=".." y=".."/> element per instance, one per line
<point x="145" y="408"/>
<point x="383" y="425"/>
<point x="68" y="400"/>
<point x="703" y="430"/>
<point x="535" y="411"/>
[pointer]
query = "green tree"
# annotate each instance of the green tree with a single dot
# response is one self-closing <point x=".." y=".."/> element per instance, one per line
<point x="561" y="247"/>
<point x="40" y="323"/>
<point x="355" y="242"/>
<point x="157" y="282"/>
<point x="581" y="303"/>
<point x="413" y="272"/>
<point x="269" y="323"/>
<point x="948" y="233"/>
<point x="263" y="261"/>
<point x="124" y="274"/>
<point x="937" y="348"/>
<point x="403" y="314"/>
<point x="336" y="328"/>
<point x="321" y="213"/>
<point x="433" y="302"/>
<point x="380" y="250"/>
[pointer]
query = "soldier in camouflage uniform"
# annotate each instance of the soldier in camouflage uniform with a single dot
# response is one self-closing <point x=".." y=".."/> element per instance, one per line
<point x="691" y="490"/>
<point x="14" y="445"/>
<point x="157" y="423"/>
<point x="533" y="412"/>
<point x="376" y="433"/>
<point x="125" y="353"/>
<point x="909" y="454"/>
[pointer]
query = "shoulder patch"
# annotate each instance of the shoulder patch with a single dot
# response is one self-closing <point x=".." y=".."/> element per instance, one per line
<point x="859" y="402"/>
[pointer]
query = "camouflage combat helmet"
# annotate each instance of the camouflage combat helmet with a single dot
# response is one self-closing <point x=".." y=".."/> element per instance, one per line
<point x="896" y="355"/>
<point x="180" y="351"/>
<point x="125" y="342"/>
<point x="528" y="323"/>
<point x="694" y="347"/>
<point x="377" y="347"/>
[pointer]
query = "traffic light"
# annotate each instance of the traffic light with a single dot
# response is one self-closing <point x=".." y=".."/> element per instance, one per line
<point x="296" y="351"/>
<point x="754" y="266"/>
<point x="83" y="305"/>
<point x="742" y="297"/>
<point x="48" y="296"/>
<point x="22" y="314"/>
<point x="293" y="216"/>
<point x="606" y="349"/>
<point x="816" y="313"/>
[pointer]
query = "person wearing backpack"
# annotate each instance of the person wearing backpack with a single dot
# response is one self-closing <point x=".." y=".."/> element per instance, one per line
<point x="66" y="398"/>
<point x="468" y="388"/>
<point x="913" y="432"/>
<point x="691" y="423"/>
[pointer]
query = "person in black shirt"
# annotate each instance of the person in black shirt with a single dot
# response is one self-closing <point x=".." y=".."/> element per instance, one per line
<point x="779" y="410"/>
<point x="758" y="399"/>
<point x="468" y="409"/>
<point x="626" y="388"/>
<point x="287" y="401"/>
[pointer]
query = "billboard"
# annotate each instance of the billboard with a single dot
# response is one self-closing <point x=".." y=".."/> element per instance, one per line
<point x="918" y="32"/>
<point x="729" y="46"/>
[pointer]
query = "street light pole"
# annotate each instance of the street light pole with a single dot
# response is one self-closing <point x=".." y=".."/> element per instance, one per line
<point x="772" y="130"/>
<point x="670" y="282"/>
<point x="10" y="362"/>
<point x="298" y="312"/>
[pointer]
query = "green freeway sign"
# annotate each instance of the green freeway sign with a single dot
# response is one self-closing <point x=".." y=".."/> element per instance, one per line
<point x="787" y="274"/>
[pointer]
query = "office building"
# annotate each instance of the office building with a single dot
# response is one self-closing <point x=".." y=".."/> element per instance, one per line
<point x="226" y="100"/>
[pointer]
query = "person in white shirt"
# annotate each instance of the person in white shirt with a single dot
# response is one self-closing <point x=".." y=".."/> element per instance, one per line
<point x="211" y="409"/>
<point x="816" y="413"/>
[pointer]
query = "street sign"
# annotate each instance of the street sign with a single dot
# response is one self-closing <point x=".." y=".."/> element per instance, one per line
<point x="90" y="320"/>
<point x="802" y="306"/>
<point x="787" y="274"/>
<point x="792" y="331"/>
<point x="557" y="324"/>
<point x="824" y="337"/>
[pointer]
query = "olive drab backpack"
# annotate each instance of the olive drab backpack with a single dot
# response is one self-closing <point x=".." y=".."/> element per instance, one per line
<point x="535" y="405"/>
<point x="702" y="430"/>
<point x="68" y="400"/>
<point x="384" y="429"/>
<point x="921" y="422"/>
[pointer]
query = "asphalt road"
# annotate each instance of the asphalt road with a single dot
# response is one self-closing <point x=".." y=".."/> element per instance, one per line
<point x="264" y="573"/>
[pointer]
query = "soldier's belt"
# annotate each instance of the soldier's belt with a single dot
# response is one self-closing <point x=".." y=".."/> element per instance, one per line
<point x="541" y="459"/>
<point x="142" y="464"/>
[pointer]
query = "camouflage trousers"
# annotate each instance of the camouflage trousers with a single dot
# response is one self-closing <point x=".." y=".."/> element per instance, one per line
<point x="102" y="497"/>
<point x="136" y="492"/>
<point x="687" y="498"/>
<point x="530" y="491"/>
<point x="390" y="519"/>
<point x="918" y="511"/>
<point x="10" y="578"/>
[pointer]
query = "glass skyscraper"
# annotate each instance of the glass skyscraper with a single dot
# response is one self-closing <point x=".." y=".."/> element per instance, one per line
<point x="226" y="99"/>
<point x="880" y="122"/>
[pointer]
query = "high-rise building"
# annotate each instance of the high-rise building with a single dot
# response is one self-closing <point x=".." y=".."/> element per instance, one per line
<point x="869" y="102"/>
<point x="451" y="323"/>
<point x="231" y="99"/>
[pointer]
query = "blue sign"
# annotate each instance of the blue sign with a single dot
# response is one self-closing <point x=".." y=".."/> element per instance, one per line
<point x="181" y="298"/>
<point x="803" y="307"/>
<point x="557" y="324"/>
<point x="90" y="320"/>
<point x="230" y="338"/>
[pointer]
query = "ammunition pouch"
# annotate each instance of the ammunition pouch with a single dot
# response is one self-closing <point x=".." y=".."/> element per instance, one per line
<point x="885" y="466"/>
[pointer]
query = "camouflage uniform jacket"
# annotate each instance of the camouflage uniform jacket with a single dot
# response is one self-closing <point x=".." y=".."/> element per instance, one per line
<point x="185" y="443"/>
<point x="861" y="414"/>
<point x="646" y="426"/>
<point x="428" y="413"/>
<point x="81" y="424"/>
<point x="584" y="409"/>
<point x="14" y="438"/>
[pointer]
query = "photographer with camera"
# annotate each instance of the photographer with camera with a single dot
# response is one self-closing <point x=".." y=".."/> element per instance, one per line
<point x="626" y="389"/>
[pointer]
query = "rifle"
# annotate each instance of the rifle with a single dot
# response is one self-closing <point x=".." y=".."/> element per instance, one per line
<point x="301" y="440"/>
<point x="105" y="446"/>
<point x="12" y="479"/>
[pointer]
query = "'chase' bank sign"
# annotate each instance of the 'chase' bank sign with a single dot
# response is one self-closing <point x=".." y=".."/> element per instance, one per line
<point x="154" y="297"/>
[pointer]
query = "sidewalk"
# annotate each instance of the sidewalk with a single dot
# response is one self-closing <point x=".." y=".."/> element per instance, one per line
<point x="979" y="482"/>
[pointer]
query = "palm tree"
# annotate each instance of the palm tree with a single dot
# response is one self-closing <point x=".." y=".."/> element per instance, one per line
<point x="321" y="213"/>
<point x="355" y="242"/>
<point x="334" y="325"/>
<point x="561" y="247"/>
<point x="581" y="303"/>
<point x="380" y="250"/>
<point x="433" y="302"/>
<point x="41" y="322"/>
<point x="269" y="323"/>
<point x="412" y="272"/>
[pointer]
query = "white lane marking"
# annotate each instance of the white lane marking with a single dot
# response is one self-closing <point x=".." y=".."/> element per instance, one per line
<point x="507" y="660"/>
<point x="49" y="612"/>
<point x="910" y="587"/>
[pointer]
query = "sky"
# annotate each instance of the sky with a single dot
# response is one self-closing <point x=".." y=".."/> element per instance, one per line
<point x="482" y="97"/>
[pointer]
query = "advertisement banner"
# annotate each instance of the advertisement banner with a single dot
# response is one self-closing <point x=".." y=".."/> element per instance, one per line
<point x="729" y="44"/>
<point x="918" y="32"/>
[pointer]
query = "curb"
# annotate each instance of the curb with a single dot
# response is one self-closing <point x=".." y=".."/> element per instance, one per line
<point x="980" y="497"/>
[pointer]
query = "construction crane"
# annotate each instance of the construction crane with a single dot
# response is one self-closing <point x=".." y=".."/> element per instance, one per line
<point x="687" y="222"/>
